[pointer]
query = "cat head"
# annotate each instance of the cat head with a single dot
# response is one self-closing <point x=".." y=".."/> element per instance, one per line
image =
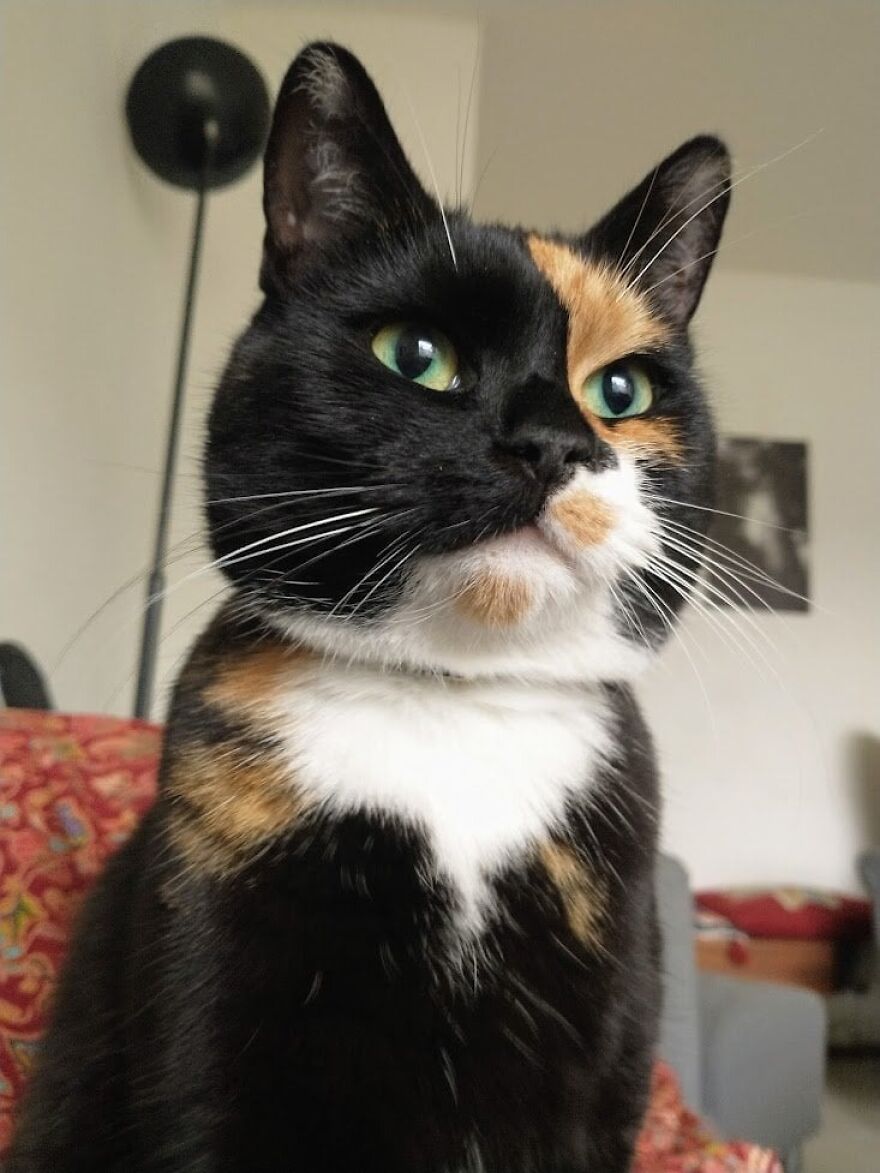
<point x="457" y="447"/>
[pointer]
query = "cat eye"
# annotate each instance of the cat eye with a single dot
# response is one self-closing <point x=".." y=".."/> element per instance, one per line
<point x="618" y="391"/>
<point x="419" y="353"/>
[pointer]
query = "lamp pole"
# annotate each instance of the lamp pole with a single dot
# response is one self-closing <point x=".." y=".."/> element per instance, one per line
<point x="156" y="579"/>
<point x="198" y="113"/>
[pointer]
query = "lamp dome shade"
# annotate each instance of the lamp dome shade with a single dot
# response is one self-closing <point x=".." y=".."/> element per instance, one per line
<point x="198" y="112"/>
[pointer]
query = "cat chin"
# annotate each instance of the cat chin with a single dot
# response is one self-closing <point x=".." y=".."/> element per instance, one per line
<point x="536" y="603"/>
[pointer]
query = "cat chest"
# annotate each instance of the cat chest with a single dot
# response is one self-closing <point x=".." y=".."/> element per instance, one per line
<point x="483" y="772"/>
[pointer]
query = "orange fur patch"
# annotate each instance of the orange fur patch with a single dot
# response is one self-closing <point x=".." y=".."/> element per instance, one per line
<point x="251" y="682"/>
<point x="585" y="518"/>
<point x="495" y="600"/>
<point x="583" y="896"/>
<point x="642" y="437"/>
<point x="233" y="804"/>
<point x="606" y="321"/>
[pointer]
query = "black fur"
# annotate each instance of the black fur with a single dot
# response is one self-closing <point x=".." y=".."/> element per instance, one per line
<point x="292" y="1014"/>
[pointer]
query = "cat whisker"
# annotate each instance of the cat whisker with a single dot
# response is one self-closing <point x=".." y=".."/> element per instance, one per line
<point x="638" y="219"/>
<point x="724" y="513"/>
<point x="383" y="557"/>
<point x="746" y="569"/>
<point x="369" y="531"/>
<point x="725" y="622"/>
<point x="727" y="188"/>
<point x="722" y="572"/>
<point x="334" y="491"/>
<point x="436" y="185"/>
<point x="467" y="116"/>
<point x="225" y="560"/>
<point x="667" y="618"/>
<point x="709" y="589"/>
<point x="414" y="550"/>
<point x="677" y="210"/>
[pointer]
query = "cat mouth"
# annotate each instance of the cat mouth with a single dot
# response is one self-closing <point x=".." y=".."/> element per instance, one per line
<point x="537" y="539"/>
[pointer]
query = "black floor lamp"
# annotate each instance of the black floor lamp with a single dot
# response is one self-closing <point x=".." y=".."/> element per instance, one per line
<point x="198" y="113"/>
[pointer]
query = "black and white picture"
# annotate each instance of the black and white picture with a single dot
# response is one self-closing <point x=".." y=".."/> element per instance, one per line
<point x="764" y="483"/>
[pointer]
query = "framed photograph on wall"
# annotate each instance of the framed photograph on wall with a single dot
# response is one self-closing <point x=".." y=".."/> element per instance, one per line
<point x="763" y="518"/>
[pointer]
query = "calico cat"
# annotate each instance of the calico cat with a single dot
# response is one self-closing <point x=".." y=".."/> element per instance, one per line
<point x="393" y="909"/>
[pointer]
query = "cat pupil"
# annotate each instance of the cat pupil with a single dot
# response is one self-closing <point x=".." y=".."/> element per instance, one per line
<point x="618" y="390"/>
<point x="414" y="353"/>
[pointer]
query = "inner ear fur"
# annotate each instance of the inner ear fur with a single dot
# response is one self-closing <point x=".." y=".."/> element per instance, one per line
<point x="334" y="168"/>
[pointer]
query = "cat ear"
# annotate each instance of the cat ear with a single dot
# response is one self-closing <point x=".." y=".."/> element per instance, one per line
<point x="664" y="234"/>
<point x="333" y="167"/>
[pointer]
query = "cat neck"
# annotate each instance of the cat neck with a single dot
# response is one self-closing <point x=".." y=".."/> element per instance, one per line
<point x="578" y="647"/>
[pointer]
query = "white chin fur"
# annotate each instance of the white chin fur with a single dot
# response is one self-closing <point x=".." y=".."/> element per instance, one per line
<point x="565" y="631"/>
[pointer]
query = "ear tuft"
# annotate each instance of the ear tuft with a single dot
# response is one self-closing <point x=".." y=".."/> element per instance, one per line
<point x="323" y="80"/>
<point x="334" y="167"/>
<point x="663" y="235"/>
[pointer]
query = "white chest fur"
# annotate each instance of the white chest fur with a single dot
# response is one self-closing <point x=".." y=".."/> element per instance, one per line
<point x="484" y="769"/>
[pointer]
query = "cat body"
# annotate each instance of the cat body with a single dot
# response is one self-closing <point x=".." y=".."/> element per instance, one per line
<point x="393" y="908"/>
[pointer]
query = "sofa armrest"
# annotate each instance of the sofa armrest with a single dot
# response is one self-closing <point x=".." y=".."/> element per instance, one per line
<point x="869" y="869"/>
<point x="679" y="1042"/>
<point x="763" y="1059"/>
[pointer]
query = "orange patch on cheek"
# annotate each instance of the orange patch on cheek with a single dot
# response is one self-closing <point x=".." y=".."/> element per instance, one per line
<point x="585" y="518"/>
<point x="606" y="321"/>
<point x="642" y="437"/>
<point x="494" y="600"/>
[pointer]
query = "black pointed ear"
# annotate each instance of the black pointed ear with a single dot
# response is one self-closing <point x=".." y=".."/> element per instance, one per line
<point x="333" y="167"/>
<point x="664" y="234"/>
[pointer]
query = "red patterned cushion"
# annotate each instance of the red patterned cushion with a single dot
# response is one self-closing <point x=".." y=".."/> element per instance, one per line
<point x="73" y="789"/>
<point x="793" y="913"/>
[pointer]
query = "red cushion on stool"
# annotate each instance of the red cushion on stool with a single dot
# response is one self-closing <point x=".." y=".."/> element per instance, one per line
<point x="801" y="913"/>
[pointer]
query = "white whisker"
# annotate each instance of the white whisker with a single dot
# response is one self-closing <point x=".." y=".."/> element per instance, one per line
<point x="727" y="188"/>
<point x="418" y="127"/>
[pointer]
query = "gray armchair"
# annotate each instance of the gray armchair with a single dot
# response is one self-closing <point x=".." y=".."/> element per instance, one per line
<point x="854" y="1014"/>
<point x="750" y="1055"/>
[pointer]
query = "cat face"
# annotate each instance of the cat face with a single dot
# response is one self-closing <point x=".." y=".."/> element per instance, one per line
<point x="457" y="447"/>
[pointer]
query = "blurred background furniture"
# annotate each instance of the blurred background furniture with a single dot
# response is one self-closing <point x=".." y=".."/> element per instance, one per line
<point x="750" y="1055"/>
<point x="22" y="685"/>
<point x="854" y="1014"/>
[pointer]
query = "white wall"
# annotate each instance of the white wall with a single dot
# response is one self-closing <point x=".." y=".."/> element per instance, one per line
<point x="774" y="792"/>
<point x="92" y="263"/>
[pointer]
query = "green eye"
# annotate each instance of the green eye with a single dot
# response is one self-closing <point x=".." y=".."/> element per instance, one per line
<point x="419" y="353"/>
<point x="618" y="391"/>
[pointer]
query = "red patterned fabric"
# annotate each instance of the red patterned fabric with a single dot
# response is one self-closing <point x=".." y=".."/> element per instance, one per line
<point x="71" y="791"/>
<point x="674" y="1140"/>
<point x="802" y="914"/>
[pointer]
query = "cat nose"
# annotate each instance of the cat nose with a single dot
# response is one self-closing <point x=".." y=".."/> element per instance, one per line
<point x="545" y="432"/>
<point x="548" y="455"/>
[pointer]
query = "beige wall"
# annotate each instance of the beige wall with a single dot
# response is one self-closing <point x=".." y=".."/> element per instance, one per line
<point x="92" y="263"/>
<point x="579" y="99"/>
